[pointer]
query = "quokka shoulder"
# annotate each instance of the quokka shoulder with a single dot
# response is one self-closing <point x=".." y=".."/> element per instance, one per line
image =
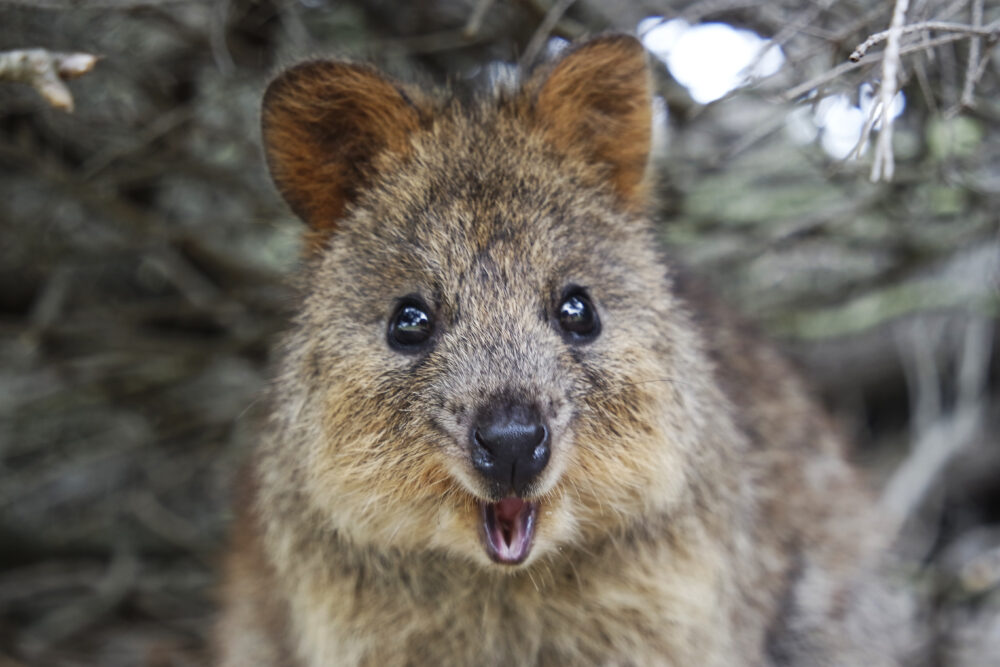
<point x="502" y="431"/>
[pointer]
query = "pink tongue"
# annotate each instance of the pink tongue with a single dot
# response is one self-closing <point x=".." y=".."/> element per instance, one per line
<point x="510" y="527"/>
<point x="508" y="509"/>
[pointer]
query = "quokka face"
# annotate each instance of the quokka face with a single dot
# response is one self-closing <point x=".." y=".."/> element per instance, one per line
<point x="488" y="351"/>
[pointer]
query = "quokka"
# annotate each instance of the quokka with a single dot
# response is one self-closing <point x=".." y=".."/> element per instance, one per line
<point x="504" y="431"/>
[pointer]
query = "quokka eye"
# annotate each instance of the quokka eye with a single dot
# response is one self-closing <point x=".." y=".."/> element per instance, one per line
<point x="411" y="326"/>
<point x="577" y="316"/>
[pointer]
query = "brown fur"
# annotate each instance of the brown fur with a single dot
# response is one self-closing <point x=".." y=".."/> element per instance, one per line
<point x="597" y="106"/>
<point x="696" y="510"/>
<point x="322" y="124"/>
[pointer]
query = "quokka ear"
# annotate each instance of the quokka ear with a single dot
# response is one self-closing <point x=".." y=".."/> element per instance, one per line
<point x="596" y="102"/>
<point x="324" y="123"/>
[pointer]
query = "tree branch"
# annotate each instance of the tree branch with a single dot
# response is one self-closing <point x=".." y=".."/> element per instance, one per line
<point x="938" y="436"/>
<point x="538" y="39"/>
<point x="883" y="164"/>
<point x="975" y="44"/>
<point x="843" y="68"/>
<point x="475" y="21"/>
<point x="938" y="26"/>
<point x="45" y="71"/>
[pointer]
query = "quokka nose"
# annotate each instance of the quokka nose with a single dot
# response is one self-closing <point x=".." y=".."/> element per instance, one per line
<point x="510" y="447"/>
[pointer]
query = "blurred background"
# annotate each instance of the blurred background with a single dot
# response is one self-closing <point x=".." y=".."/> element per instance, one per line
<point x="146" y="263"/>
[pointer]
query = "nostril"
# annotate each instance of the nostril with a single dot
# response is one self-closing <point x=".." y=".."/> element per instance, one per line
<point x="541" y="452"/>
<point x="479" y="440"/>
<point x="482" y="455"/>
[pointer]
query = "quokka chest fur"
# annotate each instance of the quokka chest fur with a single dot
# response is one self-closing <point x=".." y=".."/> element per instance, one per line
<point x="502" y="431"/>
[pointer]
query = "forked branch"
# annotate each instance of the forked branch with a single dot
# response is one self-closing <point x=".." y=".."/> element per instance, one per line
<point x="46" y="71"/>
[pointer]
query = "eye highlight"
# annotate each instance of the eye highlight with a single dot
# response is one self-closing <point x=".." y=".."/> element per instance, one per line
<point x="577" y="317"/>
<point x="411" y="326"/>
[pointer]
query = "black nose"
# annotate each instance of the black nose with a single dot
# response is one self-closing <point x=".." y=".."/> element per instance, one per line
<point x="510" y="446"/>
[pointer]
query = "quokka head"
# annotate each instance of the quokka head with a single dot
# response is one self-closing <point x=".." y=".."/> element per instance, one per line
<point x="489" y="357"/>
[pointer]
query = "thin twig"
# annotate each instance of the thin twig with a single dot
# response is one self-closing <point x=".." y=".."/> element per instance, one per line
<point x="975" y="367"/>
<point x="99" y="5"/>
<point x="698" y="11"/>
<point x="883" y="164"/>
<point x="951" y="10"/>
<point x="981" y="573"/>
<point x="843" y="68"/>
<point x="866" y="132"/>
<point x="980" y="68"/>
<point x="975" y="45"/>
<point x="119" y="579"/>
<point x="541" y="35"/>
<point x="45" y="71"/>
<point x="925" y="85"/>
<point x="217" y="37"/>
<point x="434" y="42"/>
<point x="792" y="28"/>
<point x="475" y="22"/>
<point x="939" y="26"/>
<point x="923" y="377"/>
<point x="939" y="437"/>
<point x="139" y="139"/>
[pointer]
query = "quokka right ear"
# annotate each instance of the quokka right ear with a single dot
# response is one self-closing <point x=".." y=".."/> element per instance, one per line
<point x="596" y="101"/>
<point x="324" y="123"/>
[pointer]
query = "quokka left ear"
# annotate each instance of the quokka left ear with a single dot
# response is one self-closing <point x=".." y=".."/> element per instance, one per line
<point x="596" y="103"/>
<point x="324" y="123"/>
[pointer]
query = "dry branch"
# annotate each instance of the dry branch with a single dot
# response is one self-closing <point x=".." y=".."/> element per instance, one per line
<point x="475" y="21"/>
<point x="45" y="71"/>
<point x="94" y="5"/>
<point x="541" y="35"/>
<point x="883" y="164"/>
<point x="843" y="68"/>
<point x="937" y="26"/>
<point x="975" y="44"/>
<point x="940" y="436"/>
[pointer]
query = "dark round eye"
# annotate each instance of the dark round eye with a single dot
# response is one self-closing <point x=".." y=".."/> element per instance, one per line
<point x="578" y="317"/>
<point x="411" y="326"/>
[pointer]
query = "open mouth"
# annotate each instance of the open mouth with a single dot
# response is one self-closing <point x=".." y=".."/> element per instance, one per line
<point x="508" y="529"/>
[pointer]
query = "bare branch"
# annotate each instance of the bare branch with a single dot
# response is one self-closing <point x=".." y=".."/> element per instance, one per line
<point x="552" y="17"/>
<point x="923" y="377"/>
<point x="920" y="69"/>
<point x="939" y="437"/>
<point x="843" y="68"/>
<point x="866" y="132"/>
<point x="973" y="374"/>
<point x="975" y="44"/>
<point x="698" y="11"/>
<point x="99" y="5"/>
<point x="475" y="21"/>
<point x="217" y="38"/>
<point x="883" y="164"/>
<point x="45" y="71"/>
<point x="938" y="26"/>
<point x="982" y="573"/>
